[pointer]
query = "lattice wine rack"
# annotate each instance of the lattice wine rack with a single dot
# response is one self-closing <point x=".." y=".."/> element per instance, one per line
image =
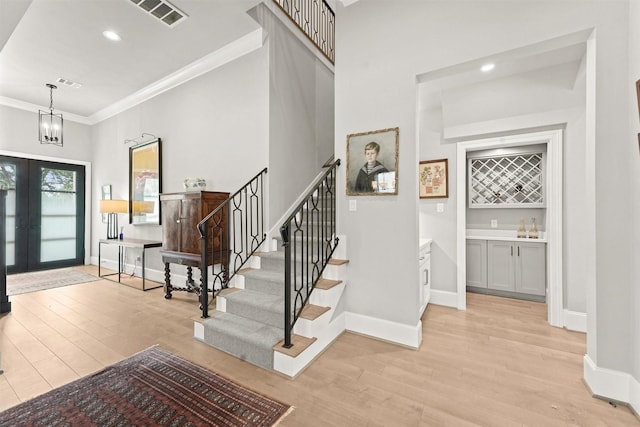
<point x="507" y="182"/>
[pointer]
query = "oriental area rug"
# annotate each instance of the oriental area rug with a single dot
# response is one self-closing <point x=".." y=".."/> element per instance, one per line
<point x="47" y="279"/>
<point x="151" y="388"/>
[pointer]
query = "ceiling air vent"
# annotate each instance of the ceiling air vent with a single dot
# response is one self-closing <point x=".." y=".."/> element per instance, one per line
<point x="69" y="83"/>
<point x="162" y="10"/>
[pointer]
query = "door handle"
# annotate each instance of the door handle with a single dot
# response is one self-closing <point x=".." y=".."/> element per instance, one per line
<point x="518" y="250"/>
<point x="511" y="250"/>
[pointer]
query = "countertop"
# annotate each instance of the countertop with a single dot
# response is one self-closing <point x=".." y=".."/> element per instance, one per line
<point x="504" y="235"/>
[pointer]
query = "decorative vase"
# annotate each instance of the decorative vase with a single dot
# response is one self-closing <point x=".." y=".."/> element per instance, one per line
<point x="522" y="232"/>
<point x="195" y="184"/>
<point x="533" y="231"/>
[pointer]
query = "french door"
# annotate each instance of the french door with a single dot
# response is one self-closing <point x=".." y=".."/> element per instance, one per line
<point x="45" y="213"/>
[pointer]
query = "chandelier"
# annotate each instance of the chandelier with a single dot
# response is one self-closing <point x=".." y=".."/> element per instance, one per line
<point x="50" y="124"/>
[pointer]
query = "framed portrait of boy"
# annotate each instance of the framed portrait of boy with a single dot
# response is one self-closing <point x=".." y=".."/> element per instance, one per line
<point x="433" y="179"/>
<point x="372" y="163"/>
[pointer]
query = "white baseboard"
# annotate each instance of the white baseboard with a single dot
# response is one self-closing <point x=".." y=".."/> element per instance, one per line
<point x="612" y="385"/>
<point x="445" y="298"/>
<point x="634" y="396"/>
<point x="575" y="321"/>
<point x="410" y="336"/>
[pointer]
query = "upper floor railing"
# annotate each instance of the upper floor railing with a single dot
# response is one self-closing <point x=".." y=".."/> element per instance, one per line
<point x="230" y="234"/>
<point x="316" y="19"/>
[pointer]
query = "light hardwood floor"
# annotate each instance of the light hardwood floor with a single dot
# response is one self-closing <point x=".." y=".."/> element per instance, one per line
<point x="496" y="364"/>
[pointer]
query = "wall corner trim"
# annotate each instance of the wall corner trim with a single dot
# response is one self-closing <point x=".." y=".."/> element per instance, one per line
<point x="444" y="298"/>
<point x="397" y="333"/>
<point x="575" y="321"/>
<point x="611" y="385"/>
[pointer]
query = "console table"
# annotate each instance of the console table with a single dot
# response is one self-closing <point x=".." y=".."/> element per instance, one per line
<point x="128" y="243"/>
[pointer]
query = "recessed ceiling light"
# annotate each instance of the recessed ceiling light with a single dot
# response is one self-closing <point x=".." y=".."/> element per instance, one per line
<point x="487" y="67"/>
<point x="111" y="35"/>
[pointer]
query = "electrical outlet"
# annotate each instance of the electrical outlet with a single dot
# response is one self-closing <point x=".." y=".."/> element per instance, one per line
<point x="494" y="223"/>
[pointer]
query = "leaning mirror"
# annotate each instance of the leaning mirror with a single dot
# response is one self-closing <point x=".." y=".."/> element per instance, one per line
<point x="145" y="182"/>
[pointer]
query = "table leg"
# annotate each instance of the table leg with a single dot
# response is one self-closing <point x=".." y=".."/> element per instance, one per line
<point x="119" y="262"/>
<point x="143" y="287"/>
<point x="167" y="281"/>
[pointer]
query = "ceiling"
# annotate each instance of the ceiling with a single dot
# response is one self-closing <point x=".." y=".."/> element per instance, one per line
<point x="43" y="40"/>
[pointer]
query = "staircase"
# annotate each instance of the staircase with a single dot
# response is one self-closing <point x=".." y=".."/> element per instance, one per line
<point x="249" y="320"/>
<point x="249" y="315"/>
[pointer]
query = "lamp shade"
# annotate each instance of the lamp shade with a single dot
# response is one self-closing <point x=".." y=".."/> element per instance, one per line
<point x="114" y="206"/>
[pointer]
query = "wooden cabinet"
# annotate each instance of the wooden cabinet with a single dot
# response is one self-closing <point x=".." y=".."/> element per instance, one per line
<point x="477" y="263"/>
<point x="181" y="213"/>
<point x="507" y="268"/>
<point x="181" y="242"/>
<point x="516" y="267"/>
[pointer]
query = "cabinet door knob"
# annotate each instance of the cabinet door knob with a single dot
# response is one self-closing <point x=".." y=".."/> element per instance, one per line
<point x="511" y="250"/>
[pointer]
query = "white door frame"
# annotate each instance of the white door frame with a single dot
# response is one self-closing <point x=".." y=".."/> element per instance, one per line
<point x="554" y="141"/>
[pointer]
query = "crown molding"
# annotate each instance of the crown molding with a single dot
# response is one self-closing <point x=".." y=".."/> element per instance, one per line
<point x="220" y="57"/>
<point x="27" y="106"/>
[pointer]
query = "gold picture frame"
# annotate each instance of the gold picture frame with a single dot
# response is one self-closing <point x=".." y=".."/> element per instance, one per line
<point x="433" y="179"/>
<point x="372" y="163"/>
<point x="638" y="95"/>
<point x="145" y="183"/>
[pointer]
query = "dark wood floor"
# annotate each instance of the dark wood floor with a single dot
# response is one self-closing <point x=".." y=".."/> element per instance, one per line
<point x="496" y="364"/>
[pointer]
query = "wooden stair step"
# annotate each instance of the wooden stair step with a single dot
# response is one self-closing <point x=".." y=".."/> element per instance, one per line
<point x="227" y="291"/>
<point x="326" y="284"/>
<point x="338" y="261"/>
<point x="246" y="270"/>
<point x="299" y="344"/>
<point x="312" y="312"/>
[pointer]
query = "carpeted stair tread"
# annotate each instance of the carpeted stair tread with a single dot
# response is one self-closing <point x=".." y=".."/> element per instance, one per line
<point x="244" y="338"/>
<point x="257" y="306"/>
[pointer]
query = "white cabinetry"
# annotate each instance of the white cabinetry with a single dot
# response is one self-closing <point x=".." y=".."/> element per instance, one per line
<point x="516" y="267"/>
<point x="507" y="267"/>
<point x="477" y="263"/>
<point x="424" y="271"/>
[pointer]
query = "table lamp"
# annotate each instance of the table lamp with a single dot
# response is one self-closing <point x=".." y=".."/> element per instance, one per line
<point x="112" y="208"/>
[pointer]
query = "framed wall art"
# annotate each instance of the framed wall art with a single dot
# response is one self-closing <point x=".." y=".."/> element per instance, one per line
<point x="145" y="182"/>
<point x="638" y="95"/>
<point x="433" y="177"/>
<point x="372" y="163"/>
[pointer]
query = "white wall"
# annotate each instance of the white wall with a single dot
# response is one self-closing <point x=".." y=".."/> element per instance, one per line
<point x="214" y="127"/>
<point x="634" y="191"/>
<point x="300" y="113"/>
<point x="384" y="45"/>
<point x="19" y="134"/>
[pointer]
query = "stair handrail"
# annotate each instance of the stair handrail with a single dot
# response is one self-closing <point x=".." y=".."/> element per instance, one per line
<point x="314" y="250"/>
<point x="233" y="231"/>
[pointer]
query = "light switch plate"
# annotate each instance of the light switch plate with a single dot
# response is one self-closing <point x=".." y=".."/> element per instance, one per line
<point x="440" y="207"/>
<point x="352" y="205"/>
<point x="494" y="223"/>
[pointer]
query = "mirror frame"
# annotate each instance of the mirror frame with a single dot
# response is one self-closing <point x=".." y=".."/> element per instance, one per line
<point x="145" y="164"/>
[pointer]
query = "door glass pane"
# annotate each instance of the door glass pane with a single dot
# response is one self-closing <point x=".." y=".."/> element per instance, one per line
<point x="8" y="181"/>
<point x="58" y="215"/>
